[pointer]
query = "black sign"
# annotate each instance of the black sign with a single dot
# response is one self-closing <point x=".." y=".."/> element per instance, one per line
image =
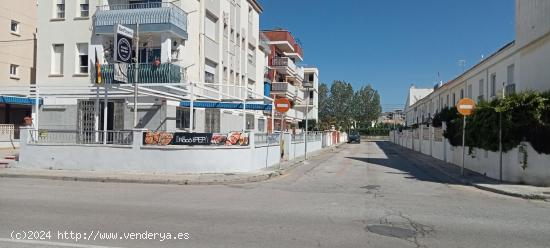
<point x="123" y="49"/>
<point x="192" y="139"/>
<point x="123" y="44"/>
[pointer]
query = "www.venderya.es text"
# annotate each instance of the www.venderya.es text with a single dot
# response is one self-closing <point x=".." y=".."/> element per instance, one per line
<point x="97" y="235"/>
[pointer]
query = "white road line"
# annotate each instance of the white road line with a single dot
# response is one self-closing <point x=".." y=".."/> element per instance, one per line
<point x="40" y="242"/>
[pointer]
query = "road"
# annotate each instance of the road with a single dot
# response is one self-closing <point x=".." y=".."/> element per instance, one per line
<point x="358" y="195"/>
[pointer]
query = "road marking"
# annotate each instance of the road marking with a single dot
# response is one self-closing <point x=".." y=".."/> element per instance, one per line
<point x="37" y="242"/>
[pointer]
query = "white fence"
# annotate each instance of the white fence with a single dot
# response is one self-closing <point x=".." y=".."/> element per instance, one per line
<point x="536" y="170"/>
<point x="68" y="153"/>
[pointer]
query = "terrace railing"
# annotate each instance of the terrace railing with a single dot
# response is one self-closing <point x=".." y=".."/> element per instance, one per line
<point x="147" y="73"/>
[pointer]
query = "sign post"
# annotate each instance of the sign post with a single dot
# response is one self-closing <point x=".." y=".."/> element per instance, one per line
<point x="465" y="107"/>
<point x="282" y="105"/>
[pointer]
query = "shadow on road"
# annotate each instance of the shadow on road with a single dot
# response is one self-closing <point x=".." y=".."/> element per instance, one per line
<point x="409" y="166"/>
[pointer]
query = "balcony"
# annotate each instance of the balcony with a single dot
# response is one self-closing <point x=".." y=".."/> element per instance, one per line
<point x="152" y="17"/>
<point x="284" y="88"/>
<point x="147" y="73"/>
<point x="284" y="41"/>
<point x="286" y="66"/>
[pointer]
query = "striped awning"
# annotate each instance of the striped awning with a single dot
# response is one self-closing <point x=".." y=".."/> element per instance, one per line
<point x="19" y="100"/>
<point x="226" y="105"/>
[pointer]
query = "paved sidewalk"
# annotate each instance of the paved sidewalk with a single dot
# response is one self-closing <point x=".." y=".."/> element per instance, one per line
<point x="153" y="178"/>
<point x="473" y="178"/>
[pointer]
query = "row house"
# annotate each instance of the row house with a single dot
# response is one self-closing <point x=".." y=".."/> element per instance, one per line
<point x="517" y="66"/>
<point x="198" y="65"/>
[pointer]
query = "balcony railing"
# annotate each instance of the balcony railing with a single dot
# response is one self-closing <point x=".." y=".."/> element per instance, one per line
<point x="152" y="17"/>
<point x="284" y="87"/>
<point x="284" y="62"/>
<point x="147" y="73"/>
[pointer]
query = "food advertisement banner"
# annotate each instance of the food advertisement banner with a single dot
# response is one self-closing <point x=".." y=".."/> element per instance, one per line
<point x="192" y="139"/>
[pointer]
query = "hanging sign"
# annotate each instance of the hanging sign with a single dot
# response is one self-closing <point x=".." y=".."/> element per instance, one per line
<point x="123" y="44"/>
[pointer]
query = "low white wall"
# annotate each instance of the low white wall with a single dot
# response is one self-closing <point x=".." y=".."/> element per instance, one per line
<point x="425" y="146"/>
<point x="9" y="144"/>
<point x="537" y="171"/>
<point x="438" y="150"/>
<point x="158" y="159"/>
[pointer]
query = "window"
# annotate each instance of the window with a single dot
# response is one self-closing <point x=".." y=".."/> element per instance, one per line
<point x="461" y="93"/>
<point x="311" y="77"/>
<point x="14" y="70"/>
<point x="481" y="89"/>
<point x="210" y="24"/>
<point x="210" y="72"/>
<point x="493" y="84"/>
<point x="470" y="91"/>
<point x="82" y="53"/>
<point x="510" y="86"/>
<point x="14" y="27"/>
<point x="447" y="103"/>
<point x="212" y="121"/>
<point x="261" y="125"/>
<point x="60" y="9"/>
<point x="57" y="59"/>
<point x="84" y="8"/>
<point x="251" y="55"/>
<point x="183" y="118"/>
<point x="454" y="99"/>
<point x="249" y="121"/>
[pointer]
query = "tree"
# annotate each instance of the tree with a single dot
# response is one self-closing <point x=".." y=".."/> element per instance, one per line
<point x="366" y="105"/>
<point x="344" y="107"/>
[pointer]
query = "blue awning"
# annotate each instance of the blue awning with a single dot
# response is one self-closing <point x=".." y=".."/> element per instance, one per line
<point x="226" y="105"/>
<point x="19" y="100"/>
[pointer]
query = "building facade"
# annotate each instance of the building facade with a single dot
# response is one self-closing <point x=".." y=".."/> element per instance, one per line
<point x="192" y="56"/>
<point x="17" y="61"/>
<point x="520" y="65"/>
<point x="288" y="80"/>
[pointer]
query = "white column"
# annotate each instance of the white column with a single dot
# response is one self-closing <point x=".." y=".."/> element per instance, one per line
<point x="166" y="48"/>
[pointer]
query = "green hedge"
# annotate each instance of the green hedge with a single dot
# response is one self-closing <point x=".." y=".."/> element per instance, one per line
<point x="525" y="117"/>
<point x="373" y="131"/>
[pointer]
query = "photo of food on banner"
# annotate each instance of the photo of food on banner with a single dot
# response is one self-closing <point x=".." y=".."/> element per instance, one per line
<point x="231" y="139"/>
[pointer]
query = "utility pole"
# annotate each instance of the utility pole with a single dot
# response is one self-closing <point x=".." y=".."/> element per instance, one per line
<point x="500" y="135"/>
<point x="136" y="74"/>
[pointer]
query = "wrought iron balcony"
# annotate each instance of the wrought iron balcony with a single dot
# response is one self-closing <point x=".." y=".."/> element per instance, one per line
<point x="152" y="17"/>
<point x="147" y="73"/>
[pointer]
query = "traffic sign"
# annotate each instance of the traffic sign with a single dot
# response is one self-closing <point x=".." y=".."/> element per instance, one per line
<point x="465" y="106"/>
<point x="123" y="44"/>
<point x="282" y="105"/>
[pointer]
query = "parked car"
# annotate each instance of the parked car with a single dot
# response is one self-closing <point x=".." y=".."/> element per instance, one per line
<point x="354" y="137"/>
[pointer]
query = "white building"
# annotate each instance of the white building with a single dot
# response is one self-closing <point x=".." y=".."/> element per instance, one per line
<point x="212" y="44"/>
<point x="411" y="111"/>
<point x="520" y="65"/>
<point x="287" y="78"/>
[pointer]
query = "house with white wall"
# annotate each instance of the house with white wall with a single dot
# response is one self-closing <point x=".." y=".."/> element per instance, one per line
<point x="194" y="56"/>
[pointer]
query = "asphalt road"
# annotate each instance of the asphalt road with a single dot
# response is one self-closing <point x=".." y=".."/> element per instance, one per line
<point x="360" y="195"/>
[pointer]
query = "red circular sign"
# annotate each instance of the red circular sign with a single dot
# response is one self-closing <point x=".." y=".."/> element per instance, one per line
<point x="282" y="105"/>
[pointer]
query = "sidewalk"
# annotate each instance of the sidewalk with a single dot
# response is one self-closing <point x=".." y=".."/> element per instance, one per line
<point x="151" y="178"/>
<point x="473" y="178"/>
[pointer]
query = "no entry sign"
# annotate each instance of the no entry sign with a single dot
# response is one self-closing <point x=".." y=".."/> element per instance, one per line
<point x="282" y="105"/>
<point x="123" y="44"/>
<point x="465" y="106"/>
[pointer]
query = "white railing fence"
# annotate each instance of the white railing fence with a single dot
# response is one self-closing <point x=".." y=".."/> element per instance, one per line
<point x="81" y="137"/>
<point x="7" y="132"/>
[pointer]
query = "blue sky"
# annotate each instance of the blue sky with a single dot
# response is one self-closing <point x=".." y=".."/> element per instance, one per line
<point x="393" y="43"/>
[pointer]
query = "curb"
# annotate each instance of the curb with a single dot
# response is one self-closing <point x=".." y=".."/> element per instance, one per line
<point x="508" y="193"/>
<point x="255" y="178"/>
